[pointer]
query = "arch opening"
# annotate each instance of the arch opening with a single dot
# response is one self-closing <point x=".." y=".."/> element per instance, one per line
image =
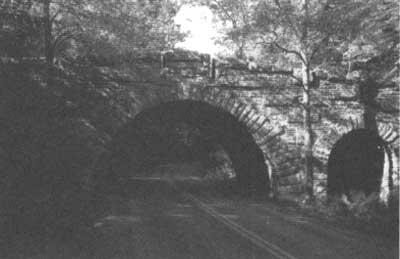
<point x="189" y="131"/>
<point x="356" y="163"/>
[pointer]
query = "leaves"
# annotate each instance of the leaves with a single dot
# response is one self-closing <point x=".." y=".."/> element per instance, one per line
<point x="82" y="27"/>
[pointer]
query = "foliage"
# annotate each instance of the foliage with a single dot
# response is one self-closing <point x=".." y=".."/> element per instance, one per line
<point x="327" y="35"/>
<point x="40" y="175"/>
<point x="19" y="29"/>
<point x="126" y="25"/>
<point x="366" y="213"/>
<point x="374" y="52"/>
<point x="82" y="27"/>
<point x="50" y="137"/>
<point x="236" y="23"/>
<point x="45" y="142"/>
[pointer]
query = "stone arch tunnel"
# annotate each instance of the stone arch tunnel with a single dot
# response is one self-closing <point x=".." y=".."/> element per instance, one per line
<point x="359" y="160"/>
<point x="263" y="107"/>
<point x="356" y="163"/>
<point x="136" y="143"/>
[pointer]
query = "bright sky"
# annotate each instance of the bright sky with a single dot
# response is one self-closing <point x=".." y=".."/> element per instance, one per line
<point x="198" y="21"/>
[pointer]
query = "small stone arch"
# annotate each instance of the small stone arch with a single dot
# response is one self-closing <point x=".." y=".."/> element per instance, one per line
<point x="356" y="163"/>
<point x="386" y="132"/>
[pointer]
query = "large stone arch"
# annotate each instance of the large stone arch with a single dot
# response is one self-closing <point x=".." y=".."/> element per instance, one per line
<point x="132" y="146"/>
<point x="265" y="134"/>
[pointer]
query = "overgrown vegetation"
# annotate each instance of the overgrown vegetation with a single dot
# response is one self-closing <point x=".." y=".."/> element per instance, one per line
<point x="365" y="213"/>
<point x="54" y="118"/>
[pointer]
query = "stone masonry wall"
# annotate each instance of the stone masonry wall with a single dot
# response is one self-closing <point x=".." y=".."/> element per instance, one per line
<point x="266" y="102"/>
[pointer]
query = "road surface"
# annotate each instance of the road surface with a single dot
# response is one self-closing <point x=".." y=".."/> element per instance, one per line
<point x="156" y="221"/>
<point x="159" y="222"/>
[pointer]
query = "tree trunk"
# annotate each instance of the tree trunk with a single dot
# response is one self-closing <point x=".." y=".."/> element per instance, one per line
<point x="368" y="92"/>
<point x="307" y="124"/>
<point x="370" y="118"/>
<point x="48" y="48"/>
<point x="308" y="137"/>
<point x="239" y="52"/>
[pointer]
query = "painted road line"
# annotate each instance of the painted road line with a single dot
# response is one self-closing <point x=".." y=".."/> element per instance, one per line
<point x="272" y="249"/>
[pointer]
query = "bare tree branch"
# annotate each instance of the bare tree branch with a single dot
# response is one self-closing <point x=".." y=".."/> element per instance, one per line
<point x="62" y="37"/>
<point x="55" y="15"/>
<point x="285" y="50"/>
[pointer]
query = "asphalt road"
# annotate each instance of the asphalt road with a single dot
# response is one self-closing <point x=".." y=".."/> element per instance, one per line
<point x="154" y="220"/>
<point x="159" y="222"/>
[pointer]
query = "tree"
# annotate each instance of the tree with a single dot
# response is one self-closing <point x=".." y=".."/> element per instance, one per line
<point x="373" y="57"/>
<point x="19" y="31"/>
<point x="122" y="26"/>
<point x="236" y="18"/>
<point x="79" y="27"/>
<point x="106" y="28"/>
<point x="45" y="144"/>
<point x="304" y="34"/>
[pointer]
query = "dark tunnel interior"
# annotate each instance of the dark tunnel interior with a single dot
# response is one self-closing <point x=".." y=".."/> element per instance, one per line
<point x="157" y="135"/>
<point x="356" y="163"/>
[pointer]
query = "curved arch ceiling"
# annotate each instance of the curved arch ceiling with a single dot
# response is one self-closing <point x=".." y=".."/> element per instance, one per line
<point x="130" y="147"/>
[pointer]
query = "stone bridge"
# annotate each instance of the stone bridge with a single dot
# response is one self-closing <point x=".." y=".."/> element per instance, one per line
<point x="255" y="115"/>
